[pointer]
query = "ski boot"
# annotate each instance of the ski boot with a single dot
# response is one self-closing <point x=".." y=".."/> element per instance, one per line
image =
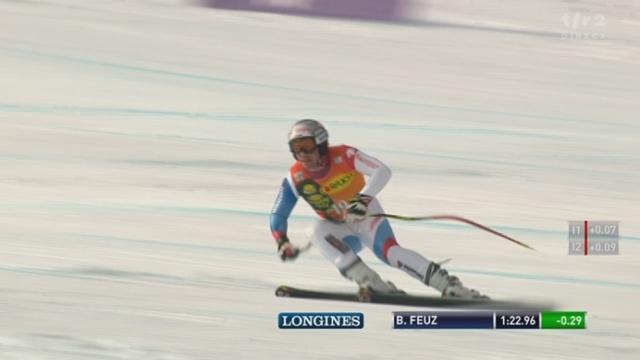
<point x="451" y="286"/>
<point x="369" y="281"/>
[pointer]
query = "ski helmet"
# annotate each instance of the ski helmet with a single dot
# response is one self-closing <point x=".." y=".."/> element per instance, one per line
<point x="308" y="128"/>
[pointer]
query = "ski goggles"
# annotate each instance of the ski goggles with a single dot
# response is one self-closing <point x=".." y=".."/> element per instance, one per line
<point x="305" y="145"/>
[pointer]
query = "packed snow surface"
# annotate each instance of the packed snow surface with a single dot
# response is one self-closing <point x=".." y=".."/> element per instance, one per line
<point x="142" y="144"/>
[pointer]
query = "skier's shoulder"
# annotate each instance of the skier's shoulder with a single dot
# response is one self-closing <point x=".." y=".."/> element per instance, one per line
<point x="297" y="173"/>
<point x="343" y="150"/>
<point x="353" y="156"/>
<point x="297" y="165"/>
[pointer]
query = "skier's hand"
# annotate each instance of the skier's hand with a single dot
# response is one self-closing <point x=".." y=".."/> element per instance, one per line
<point x="357" y="208"/>
<point x="286" y="250"/>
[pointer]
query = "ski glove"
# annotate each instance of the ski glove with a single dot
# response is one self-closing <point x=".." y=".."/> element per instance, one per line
<point x="357" y="208"/>
<point x="286" y="250"/>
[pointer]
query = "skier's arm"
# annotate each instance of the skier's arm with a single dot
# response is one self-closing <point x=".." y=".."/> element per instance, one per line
<point x="284" y="204"/>
<point x="378" y="173"/>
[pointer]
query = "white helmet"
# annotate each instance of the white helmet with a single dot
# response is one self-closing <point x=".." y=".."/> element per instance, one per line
<point x="308" y="128"/>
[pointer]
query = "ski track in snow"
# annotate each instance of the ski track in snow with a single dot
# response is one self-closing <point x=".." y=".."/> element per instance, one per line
<point x="142" y="146"/>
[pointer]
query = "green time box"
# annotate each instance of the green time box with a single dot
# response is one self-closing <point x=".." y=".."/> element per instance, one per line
<point x="565" y="320"/>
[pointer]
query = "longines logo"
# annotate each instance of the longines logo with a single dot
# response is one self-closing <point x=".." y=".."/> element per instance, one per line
<point x="320" y="320"/>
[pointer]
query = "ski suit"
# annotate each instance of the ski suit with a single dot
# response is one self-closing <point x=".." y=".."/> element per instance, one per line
<point x="350" y="172"/>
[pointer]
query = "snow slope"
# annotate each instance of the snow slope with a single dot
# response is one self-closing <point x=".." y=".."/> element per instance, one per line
<point x="142" y="144"/>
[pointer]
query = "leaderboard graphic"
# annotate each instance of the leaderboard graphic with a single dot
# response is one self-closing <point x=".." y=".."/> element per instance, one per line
<point x="594" y="237"/>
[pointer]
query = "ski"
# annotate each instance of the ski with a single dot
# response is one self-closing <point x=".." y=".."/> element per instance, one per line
<point x="411" y="300"/>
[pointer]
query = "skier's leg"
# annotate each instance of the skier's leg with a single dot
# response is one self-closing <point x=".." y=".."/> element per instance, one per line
<point x="377" y="234"/>
<point x="379" y="237"/>
<point x="339" y="244"/>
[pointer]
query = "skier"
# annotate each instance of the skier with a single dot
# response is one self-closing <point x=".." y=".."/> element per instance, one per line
<point x="332" y="181"/>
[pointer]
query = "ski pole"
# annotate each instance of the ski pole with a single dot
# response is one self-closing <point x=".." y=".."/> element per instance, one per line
<point x="455" y="218"/>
